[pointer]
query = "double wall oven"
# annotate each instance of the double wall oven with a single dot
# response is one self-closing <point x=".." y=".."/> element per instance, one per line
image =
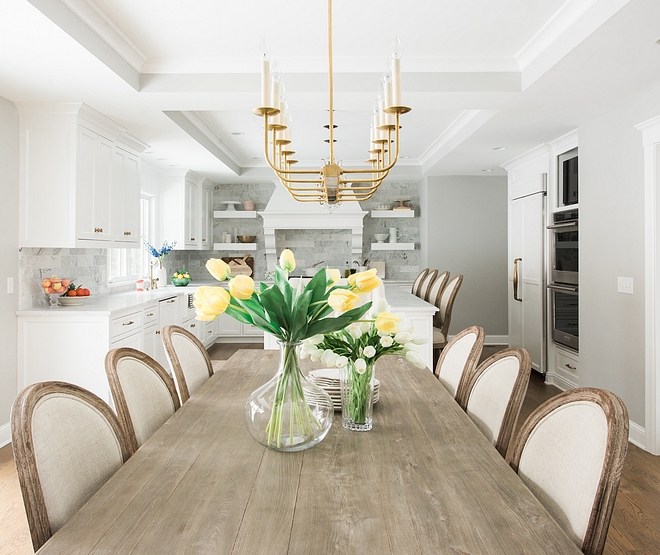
<point x="564" y="287"/>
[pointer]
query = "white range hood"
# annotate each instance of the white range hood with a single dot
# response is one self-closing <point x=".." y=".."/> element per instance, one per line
<point x="283" y="212"/>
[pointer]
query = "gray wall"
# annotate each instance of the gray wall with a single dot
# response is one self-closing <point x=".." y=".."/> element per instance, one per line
<point x="466" y="226"/>
<point x="9" y="162"/>
<point x="612" y="245"/>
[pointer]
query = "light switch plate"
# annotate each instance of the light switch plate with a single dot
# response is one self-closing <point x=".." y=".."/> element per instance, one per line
<point x="625" y="285"/>
<point x="10" y="285"/>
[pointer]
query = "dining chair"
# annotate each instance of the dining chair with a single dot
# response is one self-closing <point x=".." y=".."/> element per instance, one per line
<point x="144" y="393"/>
<point x="418" y="281"/>
<point x="426" y="284"/>
<point x="570" y="454"/>
<point x="442" y="318"/>
<point x="188" y="359"/>
<point x="495" y="392"/>
<point x="435" y="291"/>
<point x="67" y="443"/>
<point x="458" y="359"/>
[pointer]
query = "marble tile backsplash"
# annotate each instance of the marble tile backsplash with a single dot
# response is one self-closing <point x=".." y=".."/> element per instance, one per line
<point x="87" y="266"/>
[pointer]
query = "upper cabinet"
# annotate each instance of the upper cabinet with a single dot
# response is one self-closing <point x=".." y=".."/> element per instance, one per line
<point x="187" y="205"/>
<point x="80" y="179"/>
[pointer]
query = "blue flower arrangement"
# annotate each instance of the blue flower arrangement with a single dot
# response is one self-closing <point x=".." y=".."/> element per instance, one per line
<point x="162" y="253"/>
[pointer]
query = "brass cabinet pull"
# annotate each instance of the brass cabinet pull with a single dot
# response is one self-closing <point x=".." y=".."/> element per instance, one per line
<point x="192" y="238"/>
<point x="157" y="332"/>
<point x="129" y="323"/>
<point x="172" y="301"/>
<point x="192" y="325"/>
<point x="515" y="279"/>
<point x="98" y="230"/>
<point x="150" y="314"/>
<point x="570" y="367"/>
<point x="127" y="232"/>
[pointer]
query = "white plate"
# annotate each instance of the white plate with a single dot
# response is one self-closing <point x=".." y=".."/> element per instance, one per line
<point x="72" y="301"/>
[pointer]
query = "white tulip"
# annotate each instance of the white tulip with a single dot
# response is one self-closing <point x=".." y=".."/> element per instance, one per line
<point x="420" y="339"/>
<point x="410" y="346"/>
<point x="329" y="358"/>
<point x="316" y="355"/>
<point x="414" y="358"/>
<point x="360" y="366"/>
<point x="386" y="341"/>
<point x="315" y="339"/>
<point x="365" y="327"/>
<point x="341" y="362"/>
<point x="369" y="351"/>
<point x="380" y="306"/>
<point x="354" y="330"/>
<point x="402" y="337"/>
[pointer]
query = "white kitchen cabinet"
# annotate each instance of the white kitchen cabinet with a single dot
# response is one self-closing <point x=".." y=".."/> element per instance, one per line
<point x="527" y="262"/>
<point x="79" y="179"/>
<point x="187" y="204"/>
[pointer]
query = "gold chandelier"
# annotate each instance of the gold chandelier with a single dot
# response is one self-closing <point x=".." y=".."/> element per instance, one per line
<point x="333" y="183"/>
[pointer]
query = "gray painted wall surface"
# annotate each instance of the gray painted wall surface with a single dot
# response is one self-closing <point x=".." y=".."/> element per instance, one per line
<point x="9" y="162"/>
<point x="612" y="245"/>
<point x="467" y="234"/>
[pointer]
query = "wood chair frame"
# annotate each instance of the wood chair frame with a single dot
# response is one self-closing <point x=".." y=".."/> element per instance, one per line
<point x="470" y="363"/>
<point x="518" y="392"/>
<point x="111" y="360"/>
<point x="24" y="452"/>
<point x="427" y="283"/>
<point x="172" y="355"/>
<point x="615" y="454"/>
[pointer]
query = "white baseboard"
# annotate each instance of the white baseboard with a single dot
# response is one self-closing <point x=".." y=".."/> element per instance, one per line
<point x="497" y="340"/>
<point x="558" y="381"/>
<point x="5" y="434"/>
<point x="637" y="435"/>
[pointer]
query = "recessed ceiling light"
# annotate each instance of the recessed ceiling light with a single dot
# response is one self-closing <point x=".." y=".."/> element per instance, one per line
<point x="405" y="157"/>
<point x="256" y="158"/>
<point x="238" y="133"/>
<point x="172" y="165"/>
<point x="500" y="148"/>
<point x="488" y="170"/>
<point x="657" y="41"/>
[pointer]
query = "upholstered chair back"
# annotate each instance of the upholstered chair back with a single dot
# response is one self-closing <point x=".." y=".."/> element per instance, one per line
<point x="418" y="281"/>
<point x="443" y="316"/>
<point x="495" y="394"/>
<point x="435" y="291"/>
<point x="144" y="393"/>
<point x="570" y="454"/>
<point x="426" y="284"/>
<point x="188" y="359"/>
<point x="67" y="443"/>
<point x="458" y="359"/>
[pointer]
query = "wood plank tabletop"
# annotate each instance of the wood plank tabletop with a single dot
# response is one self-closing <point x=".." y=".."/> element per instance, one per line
<point x="423" y="481"/>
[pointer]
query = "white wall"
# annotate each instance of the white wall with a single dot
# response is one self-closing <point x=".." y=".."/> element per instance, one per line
<point x="466" y="229"/>
<point x="9" y="161"/>
<point x="612" y="245"/>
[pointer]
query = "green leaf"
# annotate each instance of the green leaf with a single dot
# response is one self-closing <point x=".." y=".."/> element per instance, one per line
<point x="300" y="315"/>
<point x="273" y="301"/>
<point x="328" y="325"/>
<point x="317" y="286"/>
<point x="238" y="315"/>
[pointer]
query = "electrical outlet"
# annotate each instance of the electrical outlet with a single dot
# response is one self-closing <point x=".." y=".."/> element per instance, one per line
<point x="10" y="285"/>
<point x="625" y="285"/>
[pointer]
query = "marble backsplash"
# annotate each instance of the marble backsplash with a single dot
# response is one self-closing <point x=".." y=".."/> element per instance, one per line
<point x="333" y="247"/>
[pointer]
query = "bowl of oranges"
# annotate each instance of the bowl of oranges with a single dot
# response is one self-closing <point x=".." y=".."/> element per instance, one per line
<point x="180" y="278"/>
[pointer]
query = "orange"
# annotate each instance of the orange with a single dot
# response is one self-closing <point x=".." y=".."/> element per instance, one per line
<point x="71" y="293"/>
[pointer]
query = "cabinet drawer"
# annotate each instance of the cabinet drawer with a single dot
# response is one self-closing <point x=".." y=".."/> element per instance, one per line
<point x="251" y="330"/>
<point x="568" y="367"/>
<point x="150" y="316"/>
<point x="125" y="324"/>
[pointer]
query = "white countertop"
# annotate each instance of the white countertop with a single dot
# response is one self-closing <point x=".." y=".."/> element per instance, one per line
<point x="400" y="298"/>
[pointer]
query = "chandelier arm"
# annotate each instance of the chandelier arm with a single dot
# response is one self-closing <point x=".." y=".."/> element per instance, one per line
<point x="267" y="157"/>
<point x="390" y="165"/>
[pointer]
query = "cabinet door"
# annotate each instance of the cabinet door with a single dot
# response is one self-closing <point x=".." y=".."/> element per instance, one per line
<point x="206" y="216"/>
<point x="526" y="256"/>
<point x="94" y="186"/>
<point x="125" y="197"/>
<point x="192" y="215"/>
<point x="228" y="326"/>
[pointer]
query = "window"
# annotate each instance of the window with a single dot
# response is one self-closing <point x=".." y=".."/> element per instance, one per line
<point x="126" y="265"/>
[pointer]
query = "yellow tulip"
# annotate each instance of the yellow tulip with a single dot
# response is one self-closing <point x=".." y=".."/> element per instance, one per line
<point x="287" y="261"/>
<point x="387" y="322"/>
<point x="241" y="287"/>
<point x="332" y="275"/>
<point x="363" y="282"/>
<point x="342" y="300"/>
<point x="219" y="269"/>
<point x="210" y="302"/>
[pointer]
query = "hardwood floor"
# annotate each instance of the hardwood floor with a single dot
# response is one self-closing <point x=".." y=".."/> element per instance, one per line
<point x="634" y="530"/>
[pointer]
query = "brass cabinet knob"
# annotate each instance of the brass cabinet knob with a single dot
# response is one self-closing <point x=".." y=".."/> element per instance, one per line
<point x="98" y="230"/>
<point x="127" y="232"/>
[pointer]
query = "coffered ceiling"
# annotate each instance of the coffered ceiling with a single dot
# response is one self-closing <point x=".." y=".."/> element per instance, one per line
<point x="479" y="74"/>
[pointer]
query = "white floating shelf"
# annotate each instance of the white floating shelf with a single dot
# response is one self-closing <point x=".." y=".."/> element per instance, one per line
<point x="392" y="213"/>
<point x="235" y="214"/>
<point x="392" y="246"/>
<point x="234" y="246"/>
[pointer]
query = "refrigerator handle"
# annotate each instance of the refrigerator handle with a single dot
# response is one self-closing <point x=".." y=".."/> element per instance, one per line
<point x="515" y="280"/>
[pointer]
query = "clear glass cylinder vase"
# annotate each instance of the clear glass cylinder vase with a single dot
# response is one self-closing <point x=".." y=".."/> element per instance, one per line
<point x="289" y="413"/>
<point x="357" y="396"/>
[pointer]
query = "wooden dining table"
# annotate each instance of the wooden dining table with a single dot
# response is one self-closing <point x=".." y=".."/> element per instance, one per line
<point x="423" y="481"/>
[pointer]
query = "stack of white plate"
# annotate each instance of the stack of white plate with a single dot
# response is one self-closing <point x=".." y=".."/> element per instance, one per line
<point x="328" y="380"/>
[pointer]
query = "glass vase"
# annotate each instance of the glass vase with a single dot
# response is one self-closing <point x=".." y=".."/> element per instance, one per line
<point x="289" y="413"/>
<point x="357" y="397"/>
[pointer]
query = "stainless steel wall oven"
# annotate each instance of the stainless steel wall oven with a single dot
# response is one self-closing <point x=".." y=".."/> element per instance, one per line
<point x="565" y="315"/>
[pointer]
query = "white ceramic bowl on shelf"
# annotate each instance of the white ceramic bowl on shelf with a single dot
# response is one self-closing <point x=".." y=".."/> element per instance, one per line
<point x="381" y="237"/>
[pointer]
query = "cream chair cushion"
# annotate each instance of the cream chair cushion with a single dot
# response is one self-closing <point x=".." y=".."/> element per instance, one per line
<point x="456" y="356"/>
<point x="193" y="363"/>
<point x="76" y="451"/>
<point x="147" y="397"/>
<point x="576" y="435"/>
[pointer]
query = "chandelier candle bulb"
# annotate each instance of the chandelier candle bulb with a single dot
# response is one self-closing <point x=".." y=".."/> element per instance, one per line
<point x="264" y="54"/>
